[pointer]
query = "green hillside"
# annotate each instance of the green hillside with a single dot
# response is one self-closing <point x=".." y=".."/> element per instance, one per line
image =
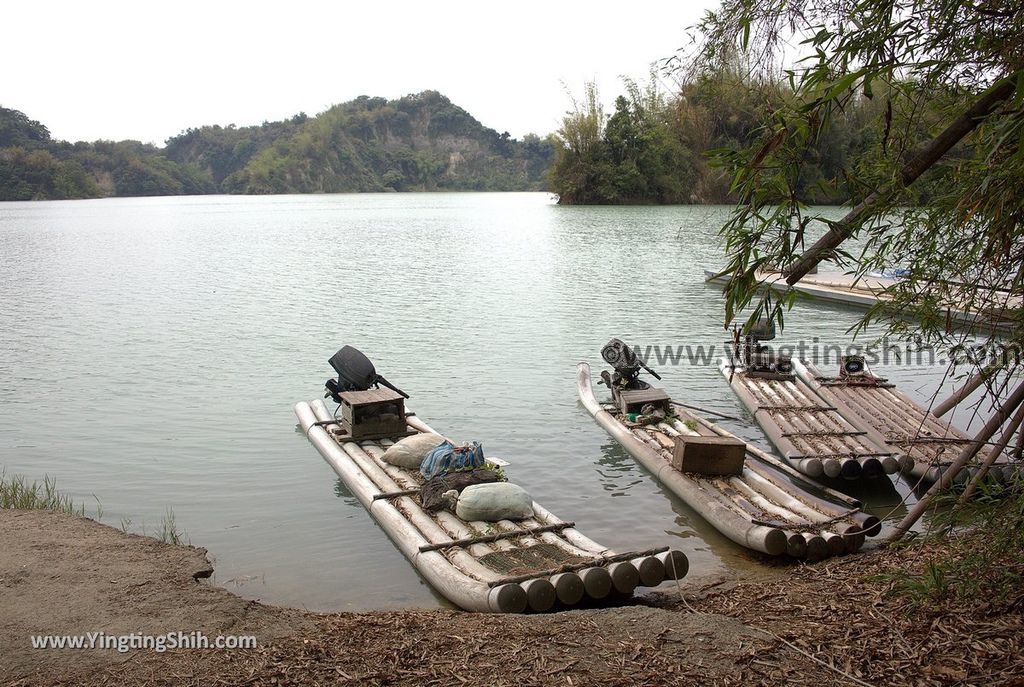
<point x="421" y="142"/>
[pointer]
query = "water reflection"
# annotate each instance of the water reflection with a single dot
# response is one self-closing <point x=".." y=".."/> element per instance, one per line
<point x="344" y="493"/>
<point x="618" y="471"/>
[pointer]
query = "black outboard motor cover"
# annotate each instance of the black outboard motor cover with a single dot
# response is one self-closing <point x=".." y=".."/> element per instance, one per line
<point x="784" y="365"/>
<point x="762" y="330"/>
<point x="627" y="365"/>
<point x="620" y="356"/>
<point x="355" y="371"/>
<point x="854" y="366"/>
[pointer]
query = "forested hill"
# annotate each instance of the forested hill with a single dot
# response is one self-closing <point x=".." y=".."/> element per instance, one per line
<point x="421" y="142"/>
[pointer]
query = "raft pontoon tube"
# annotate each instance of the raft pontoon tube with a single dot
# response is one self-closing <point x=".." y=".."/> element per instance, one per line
<point x="811" y="434"/>
<point x="926" y="445"/>
<point x="769" y="507"/>
<point x="537" y="564"/>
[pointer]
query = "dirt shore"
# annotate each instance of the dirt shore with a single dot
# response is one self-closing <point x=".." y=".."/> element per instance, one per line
<point x="61" y="574"/>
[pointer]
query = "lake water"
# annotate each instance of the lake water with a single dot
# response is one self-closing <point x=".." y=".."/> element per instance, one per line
<point x="151" y="350"/>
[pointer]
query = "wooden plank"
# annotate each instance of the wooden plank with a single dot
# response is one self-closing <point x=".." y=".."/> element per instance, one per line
<point x="823" y="434"/>
<point x="851" y="454"/>
<point x="802" y="409"/>
<point x="632" y="396"/>
<point x="395" y="494"/>
<point x="487" y="538"/>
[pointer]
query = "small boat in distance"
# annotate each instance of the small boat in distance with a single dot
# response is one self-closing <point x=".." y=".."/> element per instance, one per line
<point x="539" y="563"/>
<point x="749" y="496"/>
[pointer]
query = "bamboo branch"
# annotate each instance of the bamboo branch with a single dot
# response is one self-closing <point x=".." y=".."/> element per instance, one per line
<point x="925" y="157"/>
<point x="976" y="380"/>
<point x="969" y="451"/>
<point x="993" y="455"/>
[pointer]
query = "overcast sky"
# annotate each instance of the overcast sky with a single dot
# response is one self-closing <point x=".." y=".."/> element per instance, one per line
<point x="148" y="69"/>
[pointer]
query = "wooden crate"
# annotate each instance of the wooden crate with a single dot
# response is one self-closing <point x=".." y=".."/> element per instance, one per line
<point x="373" y="414"/>
<point x="709" y="455"/>
<point x="633" y="400"/>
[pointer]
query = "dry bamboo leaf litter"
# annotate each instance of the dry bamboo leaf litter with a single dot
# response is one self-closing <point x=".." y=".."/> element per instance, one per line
<point x="837" y="614"/>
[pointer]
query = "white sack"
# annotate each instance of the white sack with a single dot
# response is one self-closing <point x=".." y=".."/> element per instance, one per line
<point x="410" y="451"/>
<point x="494" y="501"/>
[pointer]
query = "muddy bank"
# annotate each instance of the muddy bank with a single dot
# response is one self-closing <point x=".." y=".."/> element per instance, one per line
<point x="66" y="575"/>
<point x="63" y="574"/>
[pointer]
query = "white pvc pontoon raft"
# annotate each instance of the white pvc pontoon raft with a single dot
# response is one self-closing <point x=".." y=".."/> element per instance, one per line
<point x="505" y="567"/>
<point x="926" y="445"/>
<point x="814" y="436"/>
<point x="866" y="292"/>
<point x="769" y="507"/>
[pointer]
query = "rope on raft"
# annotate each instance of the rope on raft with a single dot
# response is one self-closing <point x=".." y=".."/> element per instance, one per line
<point x="815" y="527"/>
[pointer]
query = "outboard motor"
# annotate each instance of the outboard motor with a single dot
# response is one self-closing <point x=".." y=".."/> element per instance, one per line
<point x="627" y="366"/>
<point x="759" y="360"/>
<point x="762" y="330"/>
<point x="355" y="373"/>
<point x="629" y="393"/>
<point x="853" y="366"/>
<point x="854" y="370"/>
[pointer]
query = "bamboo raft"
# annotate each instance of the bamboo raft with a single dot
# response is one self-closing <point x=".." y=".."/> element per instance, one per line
<point x="811" y="434"/>
<point x="926" y="445"/>
<point x="769" y="507"/>
<point x="506" y="567"/>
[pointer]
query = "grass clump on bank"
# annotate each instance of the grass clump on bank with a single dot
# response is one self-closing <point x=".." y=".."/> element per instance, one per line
<point x="17" y="492"/>
<point x="169" y="532"/>
<point x="983" y="563"/>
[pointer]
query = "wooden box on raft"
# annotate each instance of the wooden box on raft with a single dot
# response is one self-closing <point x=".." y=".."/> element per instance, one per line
<point x="633" y="400"/>
<point x="716" y="455"/>
<point x="373" y="414"/>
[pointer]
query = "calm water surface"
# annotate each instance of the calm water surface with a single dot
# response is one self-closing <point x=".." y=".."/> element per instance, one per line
<point x="151" y="350"/>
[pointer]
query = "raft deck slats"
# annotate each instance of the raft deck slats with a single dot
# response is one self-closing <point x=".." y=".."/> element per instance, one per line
<point x="807" y="408"/>
<point x="823" y="434"/>
<point x="843" y="455"/>
<point x="925" y="444"/>
<point x="580" y="565"/>
<point x="811" y="432"/>
<point x="768" y="508"/>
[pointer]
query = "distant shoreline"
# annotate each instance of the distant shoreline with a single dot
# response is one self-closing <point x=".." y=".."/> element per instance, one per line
<point x="421" y="142"/>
